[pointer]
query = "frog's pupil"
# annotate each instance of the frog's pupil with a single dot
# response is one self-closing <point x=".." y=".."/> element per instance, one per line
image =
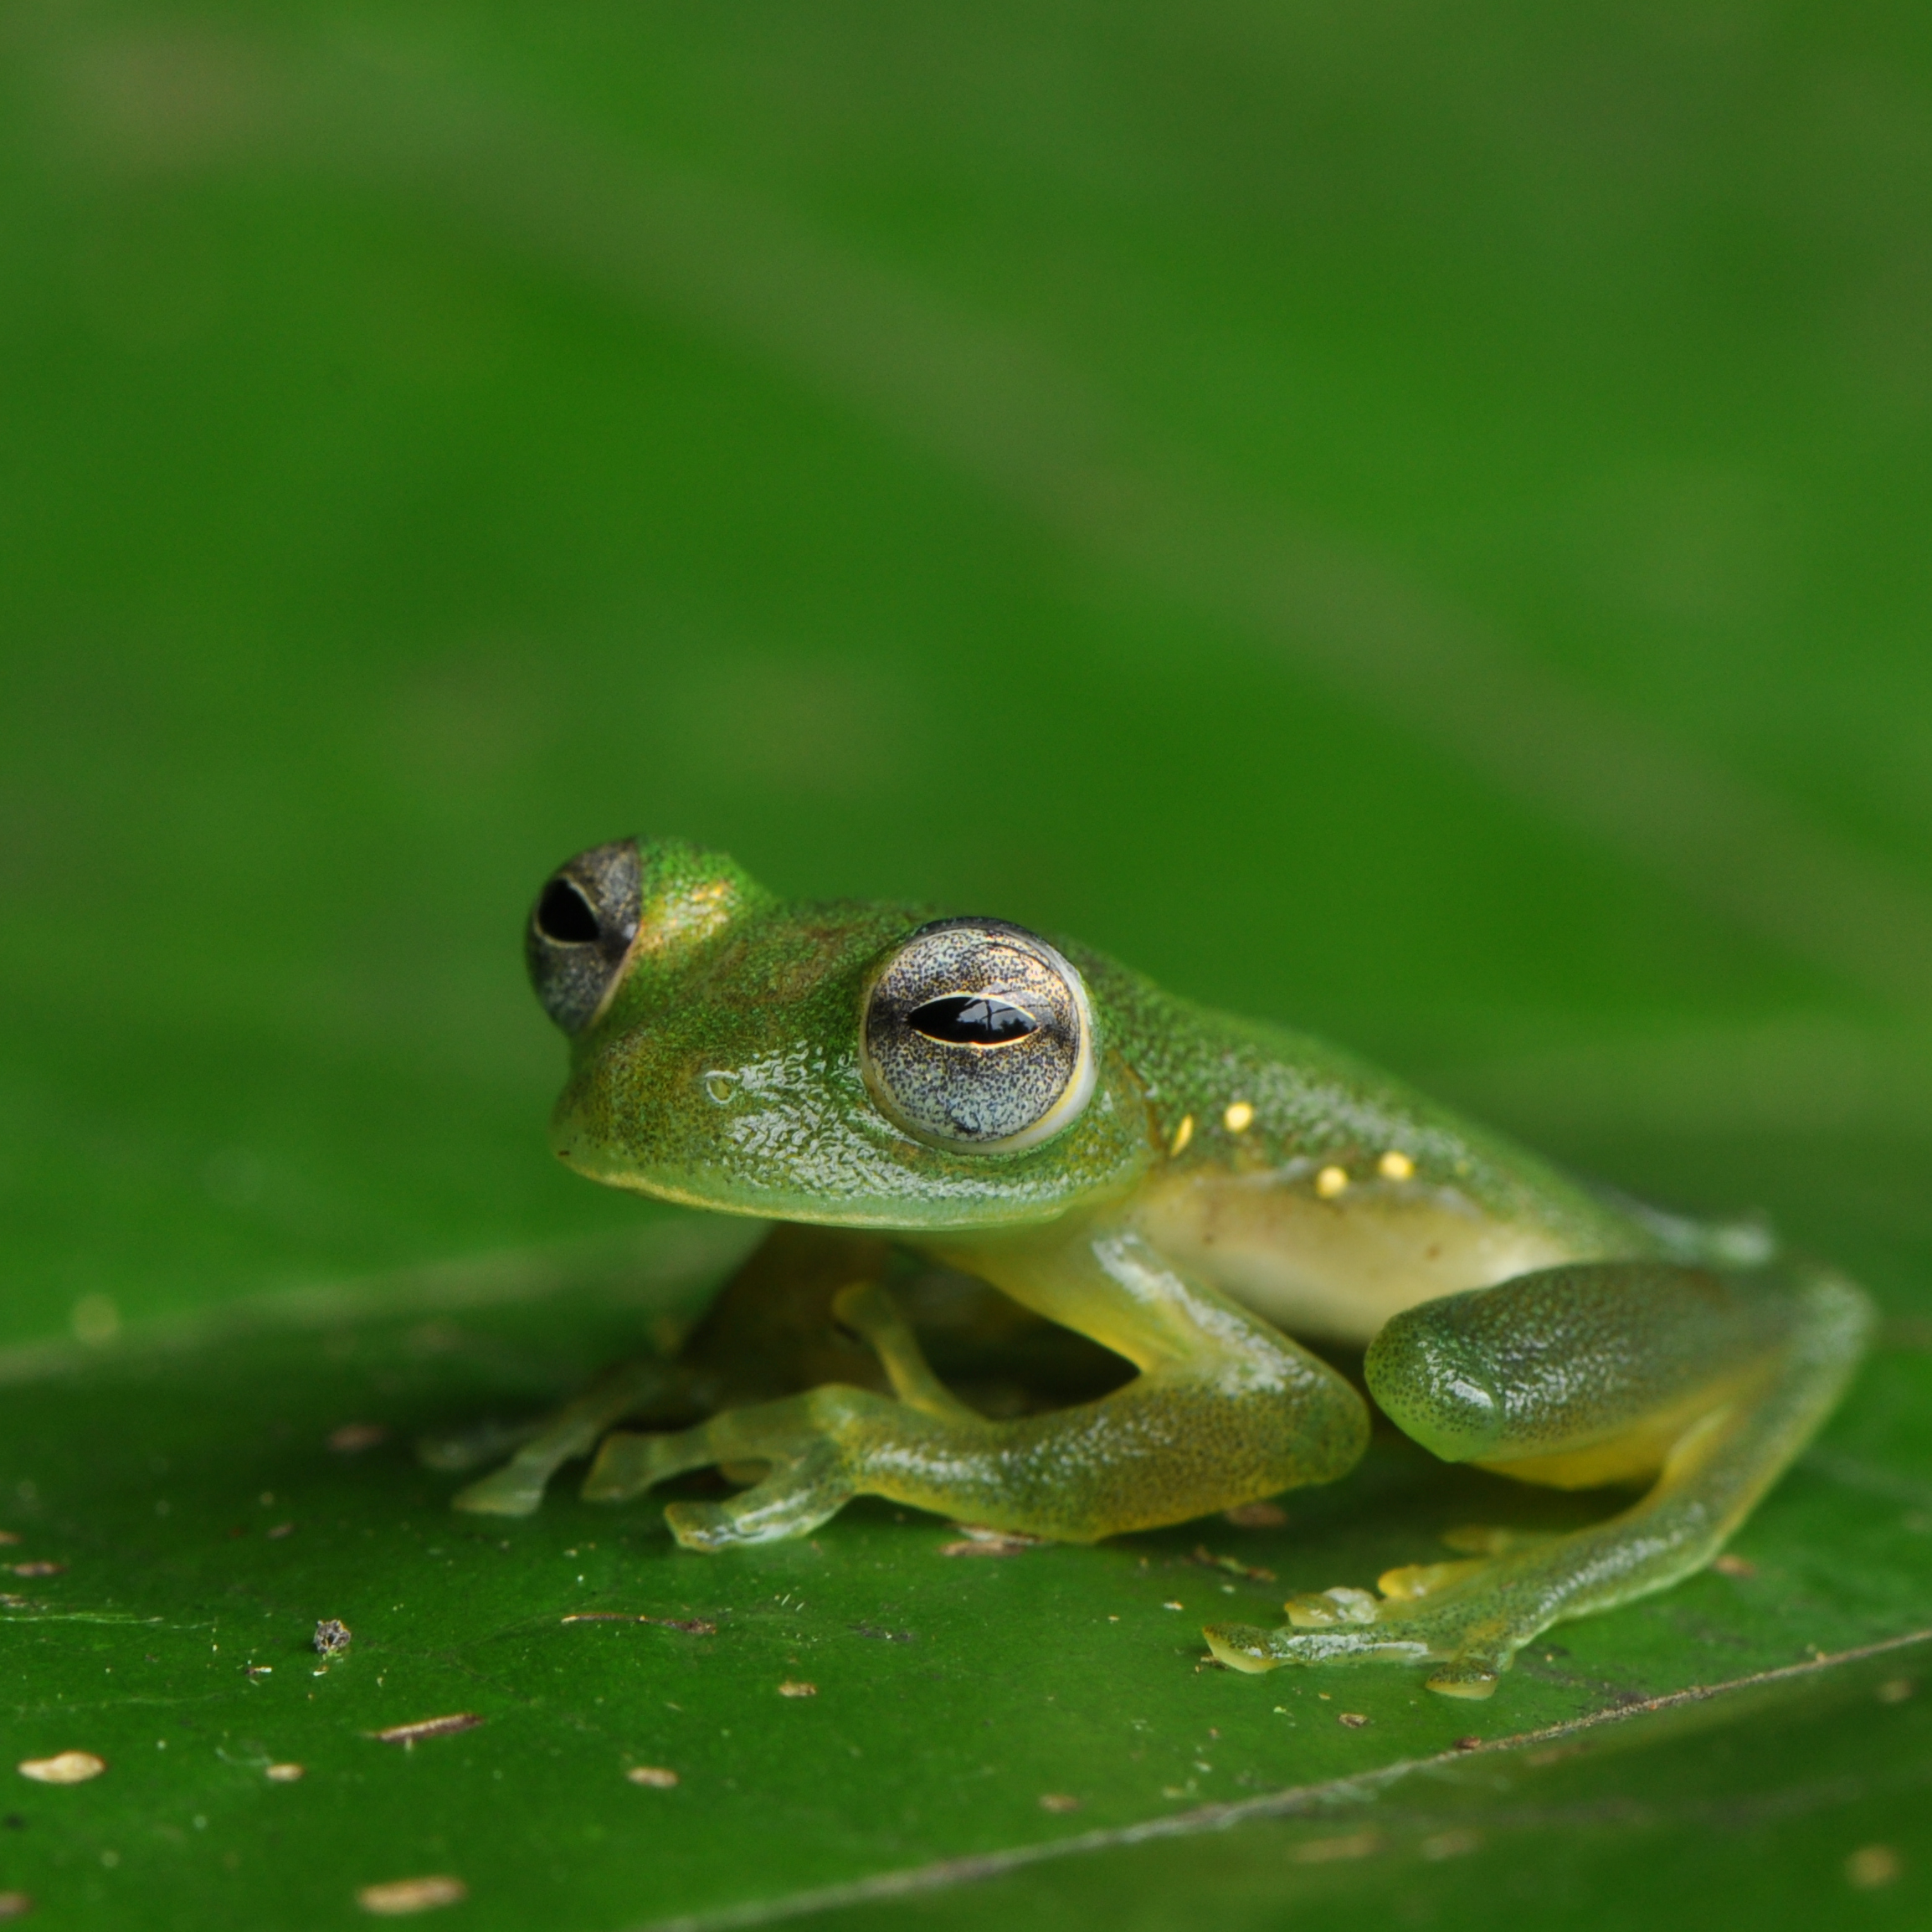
<point x="972" y="1020"/>
<point x="563" y="914"/>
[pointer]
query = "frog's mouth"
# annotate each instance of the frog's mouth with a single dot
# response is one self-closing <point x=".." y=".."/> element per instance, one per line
<point x="826" y="1165"/>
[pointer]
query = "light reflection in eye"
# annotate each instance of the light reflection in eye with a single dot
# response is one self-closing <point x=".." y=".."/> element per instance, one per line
<point x="972" y="1020"/>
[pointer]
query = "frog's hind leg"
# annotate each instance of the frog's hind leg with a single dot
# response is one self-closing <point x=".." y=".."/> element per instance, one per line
<point x="771" y="1329"/>
<point x="1704" y="1385"/>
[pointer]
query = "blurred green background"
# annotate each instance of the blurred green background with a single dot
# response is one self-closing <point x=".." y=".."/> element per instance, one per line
<point x="1408" y="519"/>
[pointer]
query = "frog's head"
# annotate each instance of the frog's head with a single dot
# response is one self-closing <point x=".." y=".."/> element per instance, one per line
<point x="863" y="1064"/>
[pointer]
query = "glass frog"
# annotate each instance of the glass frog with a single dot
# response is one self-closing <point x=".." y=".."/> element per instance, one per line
<point x="1189" y="1190"/>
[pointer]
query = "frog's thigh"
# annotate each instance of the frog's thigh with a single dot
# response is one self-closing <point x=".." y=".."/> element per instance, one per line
<point x="1224" y="1410"/>
<point x="1704" y="1385"/>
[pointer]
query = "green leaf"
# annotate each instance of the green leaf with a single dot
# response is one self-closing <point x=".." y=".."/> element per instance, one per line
<point x="881" y="1708"/>
<point x="1407" y="524"/>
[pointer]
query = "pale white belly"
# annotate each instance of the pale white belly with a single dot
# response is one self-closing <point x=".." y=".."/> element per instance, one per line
<point x="1338" y="1269"/>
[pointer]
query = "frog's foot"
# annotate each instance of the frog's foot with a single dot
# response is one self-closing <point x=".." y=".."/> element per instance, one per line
<point x="803" y="1445"/>
<point x="516" y="1489"/>
<point x="772" y="1317"/>
<point x="810" y="1451"/>
<point x="1456" y="1616"/>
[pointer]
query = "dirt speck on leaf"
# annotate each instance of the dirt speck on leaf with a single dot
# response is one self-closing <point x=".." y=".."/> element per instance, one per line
<point x="401" y="1896"/>
<point x="1232" y="1564"/>
<point x="690" y="1626"/>
<point x="1058" y="1801"/>
<point x="412" y="1734"/>
<point x="789" y="1688"/>
<point x="658" y="1777"/>
<point x="285" y="1774"/>
<point x="353" y="1437"/>
<point x="1326" y="1850"/>
<point x="332" y="1637"/>
<point x="1871" y="1865"/>
<point x="65" y="1768"/>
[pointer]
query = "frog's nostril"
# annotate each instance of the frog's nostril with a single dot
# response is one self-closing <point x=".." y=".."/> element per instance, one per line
<point x="564" y="914"/>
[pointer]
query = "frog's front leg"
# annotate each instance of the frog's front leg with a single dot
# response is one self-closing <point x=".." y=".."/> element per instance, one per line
<point x="1705" y="1385"/>
<point x="1224" y="1410"/>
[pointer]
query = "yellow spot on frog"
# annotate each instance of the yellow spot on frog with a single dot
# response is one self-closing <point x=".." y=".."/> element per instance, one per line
<point x="1395" y="1165"/>
<point x="1330" y="1182"/>
<point x="1182" y="1135"/>
<point x="1240" y="1116"/>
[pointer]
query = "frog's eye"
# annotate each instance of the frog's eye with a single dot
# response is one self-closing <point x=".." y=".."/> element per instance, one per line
<point x="979" y="1035"/>
<point x="580" y="931"/>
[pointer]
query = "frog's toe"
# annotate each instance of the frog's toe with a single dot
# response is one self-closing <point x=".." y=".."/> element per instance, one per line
<point x="629" y="1462"/>
<point x="1470" y="1678"/>
<point x="516" y="1489"/>
<point x="793" y="1500"/>
<point x="1244" y="1647"/>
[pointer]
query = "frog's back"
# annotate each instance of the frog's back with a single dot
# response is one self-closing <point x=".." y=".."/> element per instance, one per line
<point x="1329" y="1196"/>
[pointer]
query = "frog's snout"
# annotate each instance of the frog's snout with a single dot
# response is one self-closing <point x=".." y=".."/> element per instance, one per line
<point x="1430" y="1381"/>
<point x="580" y="929"/>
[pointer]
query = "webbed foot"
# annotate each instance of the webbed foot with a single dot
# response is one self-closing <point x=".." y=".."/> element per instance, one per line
<point x="516" y="1489"/>
<point x="801" y="1443"/>
<point x="1458" y="1615"/>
